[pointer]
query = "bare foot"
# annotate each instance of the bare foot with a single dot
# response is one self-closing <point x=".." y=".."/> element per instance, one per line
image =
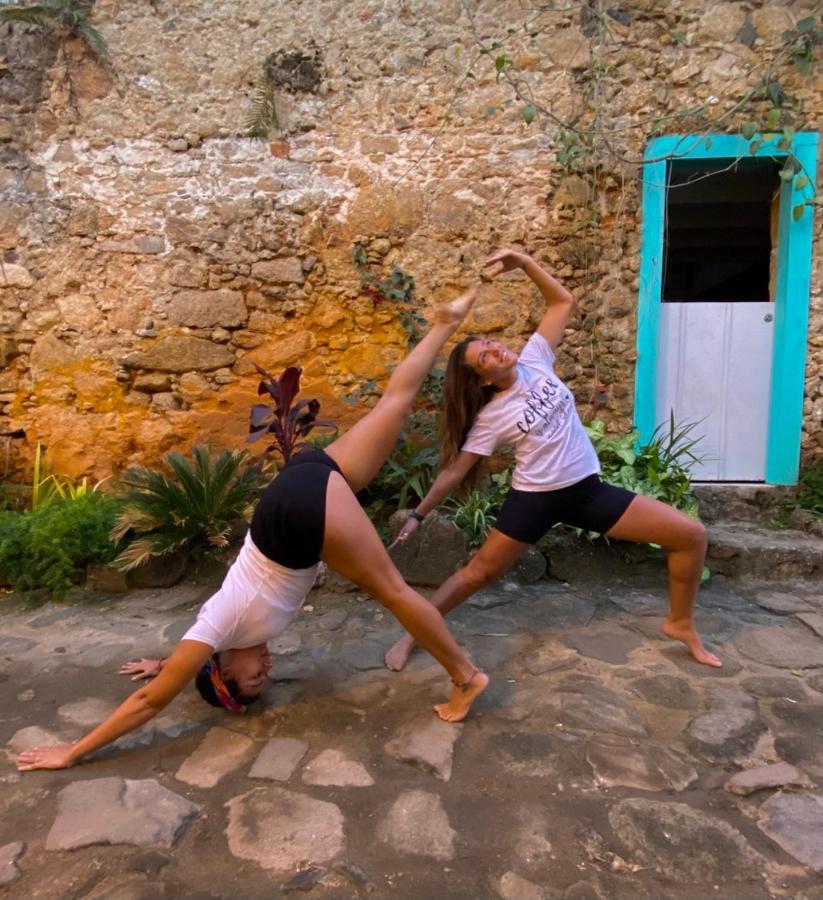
<point x="456" y="310"/>
<point x="463" y="695"/>
<point x="398" y="655"/>
<point x="692" y="640"/>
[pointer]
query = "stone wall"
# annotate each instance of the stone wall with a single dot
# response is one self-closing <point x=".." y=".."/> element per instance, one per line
<point x="152" y="252"/>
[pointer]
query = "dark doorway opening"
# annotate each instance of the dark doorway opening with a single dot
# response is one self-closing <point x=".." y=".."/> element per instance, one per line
<point x="721" y="230"/>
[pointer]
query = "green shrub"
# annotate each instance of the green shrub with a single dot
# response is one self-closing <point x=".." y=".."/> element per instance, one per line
<point x="406" y="476"/>
<point x="193" y="510"/>
<point x="475" y="514"/>
<point x="809" y="493"/>
<point x="50" y="547"/>
<point x="658" y="469"/>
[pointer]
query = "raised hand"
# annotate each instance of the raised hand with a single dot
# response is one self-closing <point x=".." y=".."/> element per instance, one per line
<point x="57" y="757"/>
<point x="505" y="261"/>
<point x="141" y="669"/>
<point x="408" y="529"/>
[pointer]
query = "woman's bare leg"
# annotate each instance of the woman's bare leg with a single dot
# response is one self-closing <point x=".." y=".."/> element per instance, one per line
<point x="649" y="521"/>
<point x="497" y="555"/>
<point x="353" y="548"/>
<point x="363" y="449"/>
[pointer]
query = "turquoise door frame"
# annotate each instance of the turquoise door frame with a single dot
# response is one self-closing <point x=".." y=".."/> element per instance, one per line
<point x="794" y="255"/>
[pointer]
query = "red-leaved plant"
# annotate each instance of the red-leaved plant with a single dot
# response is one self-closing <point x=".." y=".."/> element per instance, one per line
<point x="289" y="422"/>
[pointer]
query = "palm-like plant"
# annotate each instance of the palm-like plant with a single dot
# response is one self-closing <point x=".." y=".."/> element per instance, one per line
<point x="64" y="15"/>
<point x="192" y="510"/>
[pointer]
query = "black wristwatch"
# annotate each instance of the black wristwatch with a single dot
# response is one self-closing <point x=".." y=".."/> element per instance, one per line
<point x="414" y="514"/>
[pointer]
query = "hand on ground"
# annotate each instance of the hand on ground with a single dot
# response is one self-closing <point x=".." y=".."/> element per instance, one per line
<point x="141" y="668"/>
<point x="58" y="757"/>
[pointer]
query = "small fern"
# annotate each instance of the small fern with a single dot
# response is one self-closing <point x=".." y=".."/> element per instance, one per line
<point x="262" y="118"/>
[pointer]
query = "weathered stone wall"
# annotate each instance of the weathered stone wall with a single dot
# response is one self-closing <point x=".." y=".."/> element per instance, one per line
<point x="152" y="252"/>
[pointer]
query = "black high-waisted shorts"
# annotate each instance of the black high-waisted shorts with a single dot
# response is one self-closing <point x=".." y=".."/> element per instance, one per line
<point x="591" y="504"/>
<point x="289" y="522"/>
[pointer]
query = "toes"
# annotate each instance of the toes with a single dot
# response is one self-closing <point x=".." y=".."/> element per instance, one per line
<point x="443" y="711"/>
<point x="448" y="715"/>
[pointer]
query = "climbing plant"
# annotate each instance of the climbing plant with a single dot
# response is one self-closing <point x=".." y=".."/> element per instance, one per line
<point x="397" y="287"/>
<point x="586" y="140"/>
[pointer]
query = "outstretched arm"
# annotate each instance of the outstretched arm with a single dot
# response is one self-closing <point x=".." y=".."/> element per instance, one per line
<point x="559" y="300"/>
<point x="448" y="479"/>
<point x="139" y="708"/>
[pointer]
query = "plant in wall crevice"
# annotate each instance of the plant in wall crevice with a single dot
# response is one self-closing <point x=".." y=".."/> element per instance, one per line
<point x="65" y="17"/>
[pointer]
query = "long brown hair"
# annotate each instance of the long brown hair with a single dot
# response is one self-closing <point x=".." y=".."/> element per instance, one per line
<point x="463" y="397"/>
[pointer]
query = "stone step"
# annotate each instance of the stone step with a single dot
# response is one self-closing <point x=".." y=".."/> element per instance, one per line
<point x="736" y="550"/>
<point x="742" y="549"/>
<point x="740" y="502"/>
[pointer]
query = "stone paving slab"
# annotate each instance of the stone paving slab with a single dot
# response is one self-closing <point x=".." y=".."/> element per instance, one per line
<point x="9" y="855"/>
<point x="278" y="759"/>
<point x="776" y="775"/>
<point x="221" y="752"/>
<point x="426" y="743"/>
<point x="683" y="843"/>
<point x="730" y="728"/>
<point x="790" y="646"/>
<point x="795" y="822"/>
<point x="647" y="767"/>
<point x="418" y="824"/>
<point x="280" y="829"/>
<point x="333" y="767"/>
<point x="118" y="811"/>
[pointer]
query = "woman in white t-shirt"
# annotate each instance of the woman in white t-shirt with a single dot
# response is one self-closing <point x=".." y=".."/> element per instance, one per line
<point x="308" y="513"/>
<point x="492" y="396"/>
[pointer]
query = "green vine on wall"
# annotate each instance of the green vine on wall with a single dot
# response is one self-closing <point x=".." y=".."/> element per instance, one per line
<point x="583" y="141"/>
<point x="397" y="288"/>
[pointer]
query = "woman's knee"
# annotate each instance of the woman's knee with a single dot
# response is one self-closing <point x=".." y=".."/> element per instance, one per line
<point x="693" y="536"/>
<point x="385" y="584"/>
<point x="396" y="597"/>
<point x="480" y="572"/>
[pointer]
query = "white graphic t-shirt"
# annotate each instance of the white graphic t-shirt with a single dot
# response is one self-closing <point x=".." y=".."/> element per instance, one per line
<point x="538" y="416"/>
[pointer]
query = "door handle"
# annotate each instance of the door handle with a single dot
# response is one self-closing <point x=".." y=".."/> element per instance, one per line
<point x="768" y="317"/>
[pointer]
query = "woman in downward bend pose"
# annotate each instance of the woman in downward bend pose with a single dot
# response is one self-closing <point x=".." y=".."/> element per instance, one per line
<point x="307" y="514"/>
<point x="492" y="396"/>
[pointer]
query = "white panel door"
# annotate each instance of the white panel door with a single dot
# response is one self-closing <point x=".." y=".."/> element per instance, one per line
<point x="714" y="366"/>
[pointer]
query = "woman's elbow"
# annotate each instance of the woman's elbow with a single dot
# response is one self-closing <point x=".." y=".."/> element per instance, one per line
<point x="149" y="701"/>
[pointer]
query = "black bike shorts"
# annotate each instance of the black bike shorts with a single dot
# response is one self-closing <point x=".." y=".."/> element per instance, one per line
<point x="289" y="522"/>
<point x="591" y="504"/>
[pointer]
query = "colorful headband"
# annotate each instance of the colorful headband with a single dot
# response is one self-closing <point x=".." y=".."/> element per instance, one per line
<point x="221" y="691"/>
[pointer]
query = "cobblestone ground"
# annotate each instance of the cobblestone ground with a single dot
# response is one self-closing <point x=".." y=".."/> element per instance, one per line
<point x="601" y="763"/>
